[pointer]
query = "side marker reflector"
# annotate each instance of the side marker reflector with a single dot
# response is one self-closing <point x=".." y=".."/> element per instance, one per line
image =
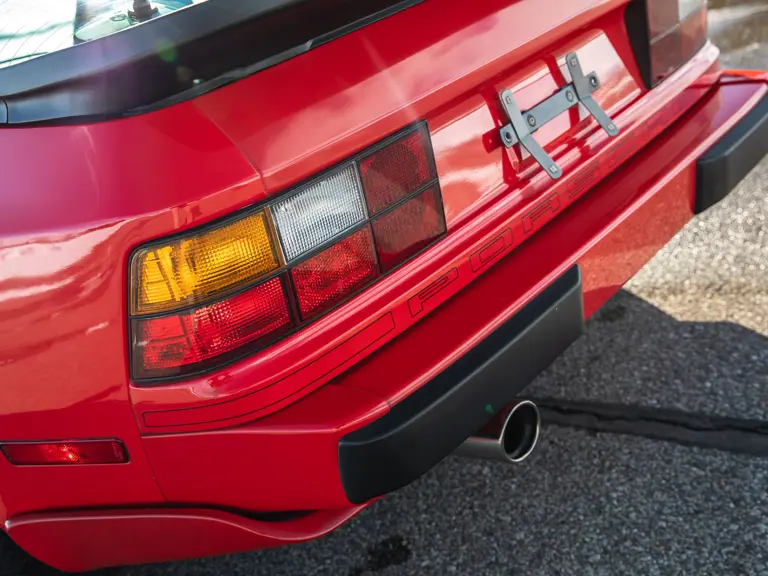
<point x="62" y="453"/>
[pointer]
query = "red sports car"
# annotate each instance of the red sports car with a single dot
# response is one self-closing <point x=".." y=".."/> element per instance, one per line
<point x="265" y="261"/>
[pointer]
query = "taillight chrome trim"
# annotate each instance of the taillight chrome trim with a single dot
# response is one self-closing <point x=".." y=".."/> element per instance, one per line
<point x="286" y="266"/>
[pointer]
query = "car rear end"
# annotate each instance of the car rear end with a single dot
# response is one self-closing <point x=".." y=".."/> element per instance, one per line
<point x="255" y="275"/>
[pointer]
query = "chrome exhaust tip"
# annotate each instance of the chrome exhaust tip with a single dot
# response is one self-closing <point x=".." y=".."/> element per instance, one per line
<point x="511" y="437"/>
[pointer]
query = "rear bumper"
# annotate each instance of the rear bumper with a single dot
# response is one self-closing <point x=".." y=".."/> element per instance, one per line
<point x="420" y="431"/>
<point x="346" y="434"/>
<point x="726" y="163"/>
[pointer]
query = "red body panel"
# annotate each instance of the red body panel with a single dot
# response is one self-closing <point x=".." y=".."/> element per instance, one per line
<point x="142" y="535"/>
<point x="76" y="200"/>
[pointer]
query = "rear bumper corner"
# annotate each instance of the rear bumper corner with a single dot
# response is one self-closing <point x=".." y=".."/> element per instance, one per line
<point x="431" y="423"/>
<point x="730" y="159"/>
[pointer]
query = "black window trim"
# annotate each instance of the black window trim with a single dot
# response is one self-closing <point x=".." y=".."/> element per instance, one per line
<point x="74" y="85"/>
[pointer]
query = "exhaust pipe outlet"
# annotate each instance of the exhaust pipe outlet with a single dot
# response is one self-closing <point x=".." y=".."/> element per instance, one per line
<point x="510" y="437"/>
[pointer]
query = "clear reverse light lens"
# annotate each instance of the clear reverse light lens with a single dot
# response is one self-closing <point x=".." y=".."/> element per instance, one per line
<point x="319" y="212"/>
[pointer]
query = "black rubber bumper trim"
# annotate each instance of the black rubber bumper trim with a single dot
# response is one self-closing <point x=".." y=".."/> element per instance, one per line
<point x="431" y="423"/>
<point x="732" y="157"/>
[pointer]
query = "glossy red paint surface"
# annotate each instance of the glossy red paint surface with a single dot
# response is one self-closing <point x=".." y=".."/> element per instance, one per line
<point x="79" y="541"/>
<point x="249" y="435"/>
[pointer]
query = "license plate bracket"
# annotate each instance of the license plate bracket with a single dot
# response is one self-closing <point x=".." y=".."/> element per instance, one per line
<point x="522" y="125"/>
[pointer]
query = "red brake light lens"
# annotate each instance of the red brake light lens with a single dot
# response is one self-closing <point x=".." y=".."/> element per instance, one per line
<point x="335" y="273"/>
<point x="188" y="342"/>
<point x="75" y="452"/>
<point x="408" y="228"/>
<point x="397" y="169"/>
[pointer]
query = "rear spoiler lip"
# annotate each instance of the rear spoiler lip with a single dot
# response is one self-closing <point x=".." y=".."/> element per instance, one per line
<point x="77" y="85"/>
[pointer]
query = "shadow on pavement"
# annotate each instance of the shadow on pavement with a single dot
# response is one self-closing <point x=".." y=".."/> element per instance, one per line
<point x="634" y="353"/>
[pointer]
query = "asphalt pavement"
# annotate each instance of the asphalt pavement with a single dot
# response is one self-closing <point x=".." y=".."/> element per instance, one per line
<point x="654" y="457"/>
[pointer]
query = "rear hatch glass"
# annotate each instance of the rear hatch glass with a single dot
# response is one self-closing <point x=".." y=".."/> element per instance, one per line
<point x="33" y="28"/>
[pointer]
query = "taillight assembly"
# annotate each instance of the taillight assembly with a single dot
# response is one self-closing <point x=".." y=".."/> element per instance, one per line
<point x="665" y="34"/>
<point x="214" y="295"/>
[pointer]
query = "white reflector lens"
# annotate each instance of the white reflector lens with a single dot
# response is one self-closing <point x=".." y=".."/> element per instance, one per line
<point x="322" y="210"/>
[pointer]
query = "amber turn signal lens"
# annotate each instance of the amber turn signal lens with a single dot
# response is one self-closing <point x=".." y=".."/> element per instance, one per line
<point x="195" y="268"/>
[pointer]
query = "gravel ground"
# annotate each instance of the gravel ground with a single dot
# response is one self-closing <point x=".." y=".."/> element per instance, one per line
<point x="689" y="333"/>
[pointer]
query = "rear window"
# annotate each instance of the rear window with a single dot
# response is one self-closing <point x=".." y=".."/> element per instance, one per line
<point x="32" y="28"/>
<point x="90" y="60"/>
